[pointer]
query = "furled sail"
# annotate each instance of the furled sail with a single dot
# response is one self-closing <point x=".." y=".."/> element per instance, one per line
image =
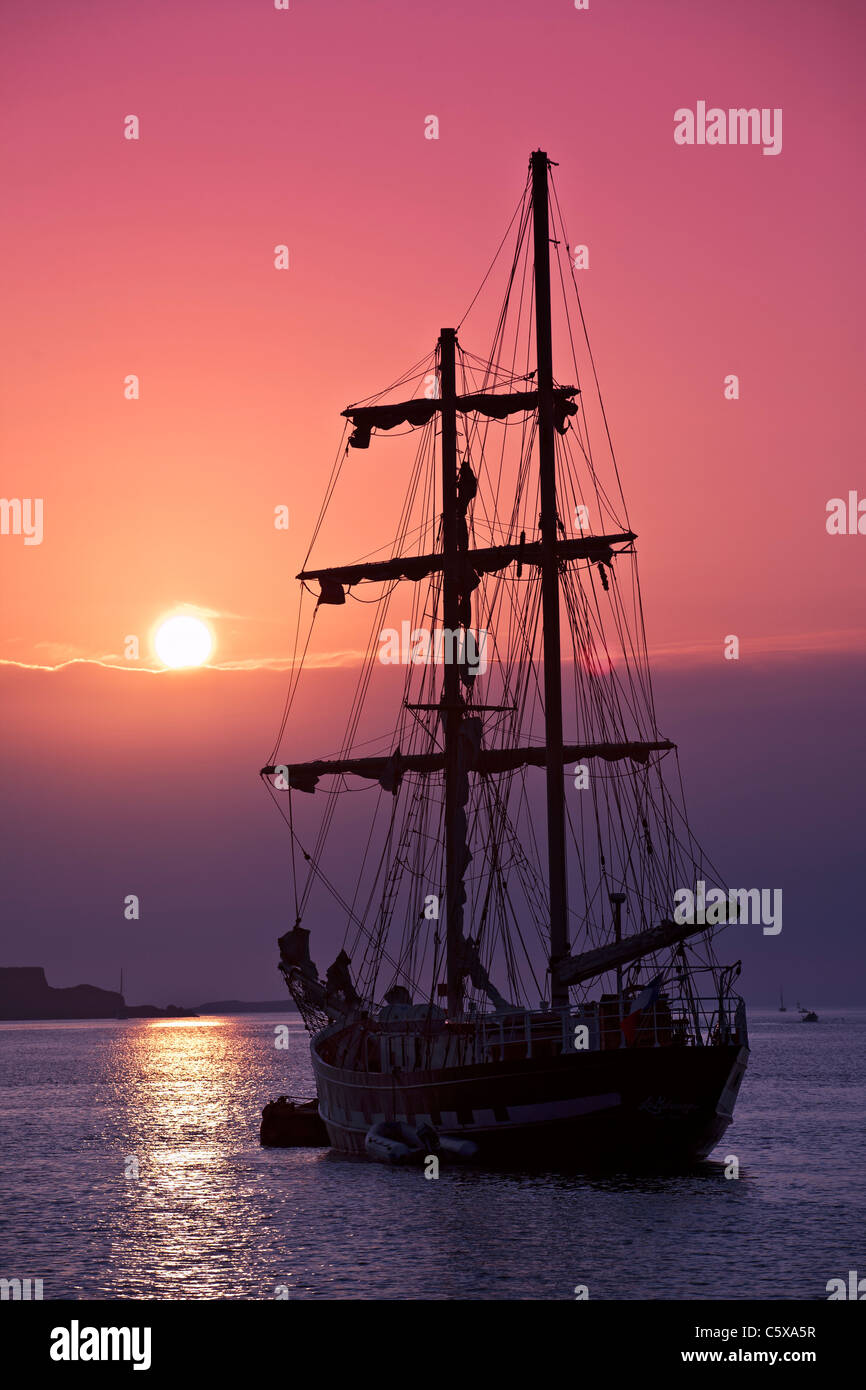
<point x="388" y="771"/>
<point x="596" y="549"/>
<point x="573" y="969"/>
<point x="367" y="418"/>
<point x="470" y="964"/>
<point x="334" y="996"/>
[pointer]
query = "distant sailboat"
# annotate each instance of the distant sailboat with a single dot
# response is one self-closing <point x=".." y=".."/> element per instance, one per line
<point x="782" y="1009"/>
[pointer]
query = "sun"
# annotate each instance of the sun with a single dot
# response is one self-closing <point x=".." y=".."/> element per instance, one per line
<point x="183" y="641"/>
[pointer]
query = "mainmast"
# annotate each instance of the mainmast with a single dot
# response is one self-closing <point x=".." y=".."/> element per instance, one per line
<point x="559" y="945"/>
<point x="451" y="703"/>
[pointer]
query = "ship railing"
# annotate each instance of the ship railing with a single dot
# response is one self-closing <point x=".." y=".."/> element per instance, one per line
<point x="672" y="1021"/>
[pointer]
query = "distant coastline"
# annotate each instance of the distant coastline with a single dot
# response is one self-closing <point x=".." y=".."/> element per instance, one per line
<point x="26" y="994"/>
<point x="246" y="1006"/>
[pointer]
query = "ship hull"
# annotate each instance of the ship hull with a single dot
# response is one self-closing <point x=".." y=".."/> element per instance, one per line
<point x="625" y="1108"/>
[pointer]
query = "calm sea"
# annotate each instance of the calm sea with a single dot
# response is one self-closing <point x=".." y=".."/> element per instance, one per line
<point x="212" y="1215"/>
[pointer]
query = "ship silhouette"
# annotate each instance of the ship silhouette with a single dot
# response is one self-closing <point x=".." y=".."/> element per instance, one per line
<point x="512" y="979"/>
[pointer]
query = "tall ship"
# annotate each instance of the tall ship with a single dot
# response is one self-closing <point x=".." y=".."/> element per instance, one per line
<point x="501" y="834"/>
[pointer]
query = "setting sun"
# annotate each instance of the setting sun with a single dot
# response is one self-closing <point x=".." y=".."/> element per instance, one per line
<point x="183" y="641"/>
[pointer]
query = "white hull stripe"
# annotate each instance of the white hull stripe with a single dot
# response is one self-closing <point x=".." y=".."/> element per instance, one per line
<point x="484" y="1120"/>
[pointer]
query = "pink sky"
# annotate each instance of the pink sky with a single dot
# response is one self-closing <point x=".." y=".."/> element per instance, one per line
<point x="306" y="127"/>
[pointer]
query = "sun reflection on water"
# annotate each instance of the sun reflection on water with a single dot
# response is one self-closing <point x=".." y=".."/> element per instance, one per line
<point x="185" y="1022"/>
<point x="211" y="1215"/>
<point x="186" y="1218"/>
